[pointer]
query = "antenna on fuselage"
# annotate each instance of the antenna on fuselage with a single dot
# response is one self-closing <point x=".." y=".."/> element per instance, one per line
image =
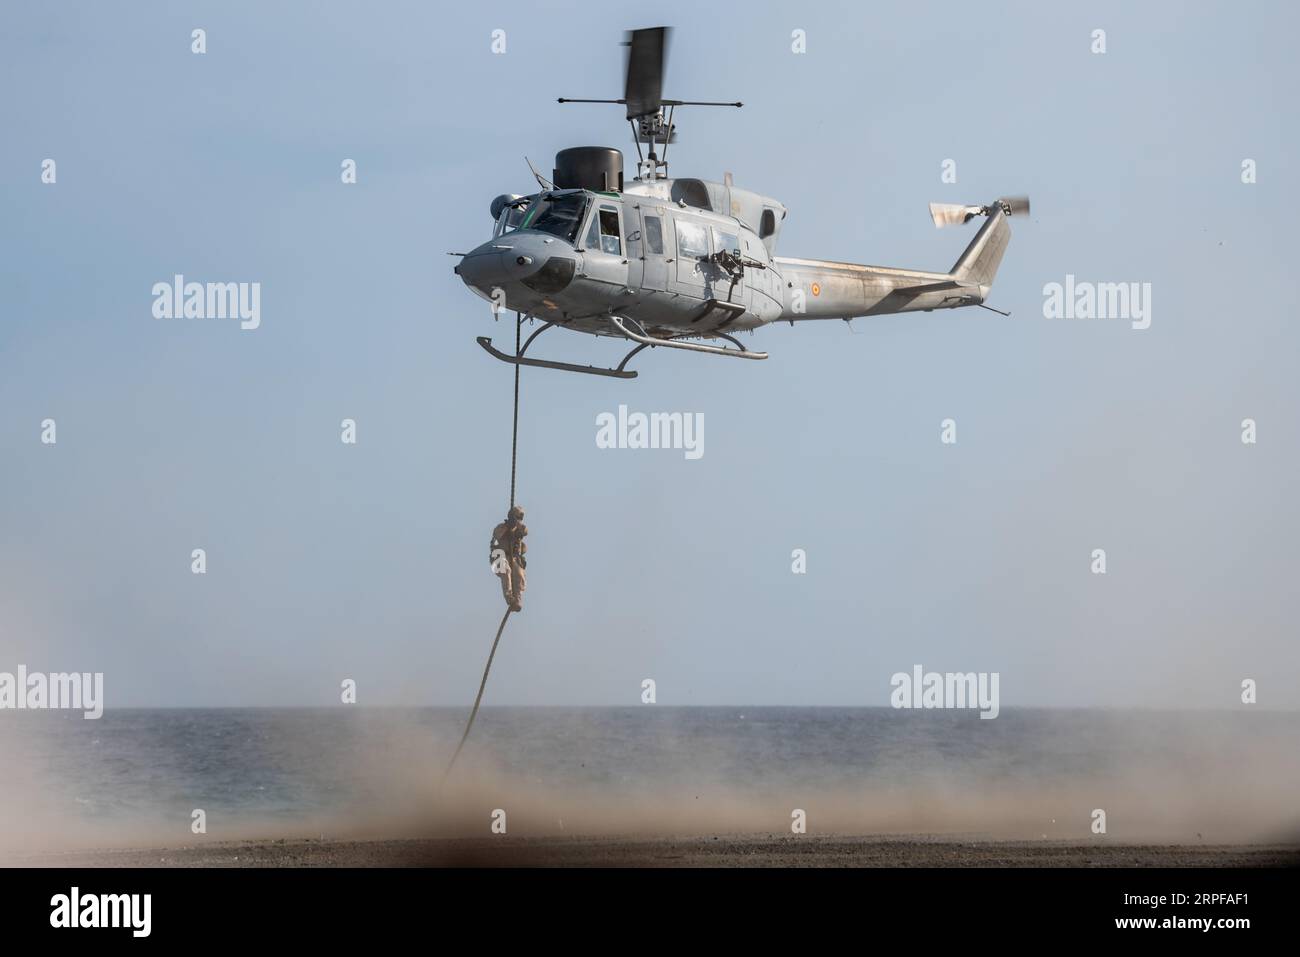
<point x="542" y="181"/>
<point x="643" y="96"/>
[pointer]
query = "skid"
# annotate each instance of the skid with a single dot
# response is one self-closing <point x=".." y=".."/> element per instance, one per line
<point x="637" y="335"/>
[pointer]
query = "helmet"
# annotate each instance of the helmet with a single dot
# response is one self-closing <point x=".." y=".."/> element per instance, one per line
<point x="516" y="513"/>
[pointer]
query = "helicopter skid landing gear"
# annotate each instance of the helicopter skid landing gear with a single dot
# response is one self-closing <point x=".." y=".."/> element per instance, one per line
<point x="520" y="360"/>
<point x="637" y="335"/>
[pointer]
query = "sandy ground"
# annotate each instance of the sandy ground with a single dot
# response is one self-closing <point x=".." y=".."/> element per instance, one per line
<point x="720" y="851"/>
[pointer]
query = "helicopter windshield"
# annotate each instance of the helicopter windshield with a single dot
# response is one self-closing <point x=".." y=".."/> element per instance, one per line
<point x="558" y="215"/>
<point x="510" y="218"/>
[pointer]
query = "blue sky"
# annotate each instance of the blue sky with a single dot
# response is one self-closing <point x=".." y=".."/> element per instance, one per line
<point x="328" y="561"/>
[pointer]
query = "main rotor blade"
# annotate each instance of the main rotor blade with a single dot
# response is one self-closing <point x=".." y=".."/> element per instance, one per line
<point x="701" y="103"/>
<point x="647" y="54"/>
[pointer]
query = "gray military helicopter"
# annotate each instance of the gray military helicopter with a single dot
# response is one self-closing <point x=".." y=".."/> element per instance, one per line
<point x="660" y="261"/>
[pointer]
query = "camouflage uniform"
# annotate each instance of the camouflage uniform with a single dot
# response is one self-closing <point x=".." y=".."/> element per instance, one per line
<point x="507" y="556"/>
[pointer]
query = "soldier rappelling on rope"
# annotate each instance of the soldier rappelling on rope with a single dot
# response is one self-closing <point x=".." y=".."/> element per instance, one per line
<point x="507" y="556"/>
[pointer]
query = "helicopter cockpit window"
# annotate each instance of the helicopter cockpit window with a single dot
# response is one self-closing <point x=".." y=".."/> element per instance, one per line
<point x="725" y="242"/>
<point x="558" y="215"/>
<point x="609" y="238"/>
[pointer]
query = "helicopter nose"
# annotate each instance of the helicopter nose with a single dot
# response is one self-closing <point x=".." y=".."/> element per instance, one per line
<point x="541" y="263"/>
<point x="481" y="268"/>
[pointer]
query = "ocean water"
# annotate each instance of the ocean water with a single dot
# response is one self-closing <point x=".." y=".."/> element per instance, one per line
<point x="139" y="774"/>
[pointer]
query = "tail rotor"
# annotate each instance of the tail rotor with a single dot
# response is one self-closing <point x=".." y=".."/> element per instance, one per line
<point x="954" y="214"/>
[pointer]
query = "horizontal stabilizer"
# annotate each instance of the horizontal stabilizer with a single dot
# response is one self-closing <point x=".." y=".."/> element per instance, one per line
<point x="940" y="286"/>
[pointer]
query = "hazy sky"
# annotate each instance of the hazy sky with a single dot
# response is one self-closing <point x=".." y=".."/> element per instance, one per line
<point x="328" y="561"/>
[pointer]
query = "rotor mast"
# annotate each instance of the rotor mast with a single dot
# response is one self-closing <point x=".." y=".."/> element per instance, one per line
<point x="643" y="97"/>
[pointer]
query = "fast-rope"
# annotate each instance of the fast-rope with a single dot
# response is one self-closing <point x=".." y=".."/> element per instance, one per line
<point x="514" y="458"/>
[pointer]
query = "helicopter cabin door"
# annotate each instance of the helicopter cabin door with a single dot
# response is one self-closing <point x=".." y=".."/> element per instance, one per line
<point x="604" y="254"/>
<point x="730" y="280"/>
<point x="654" y="277"/>
<point x="690" y="272"/>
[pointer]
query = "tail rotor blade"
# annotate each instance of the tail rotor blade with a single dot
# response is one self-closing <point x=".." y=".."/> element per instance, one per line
<point x="952" y="214"/>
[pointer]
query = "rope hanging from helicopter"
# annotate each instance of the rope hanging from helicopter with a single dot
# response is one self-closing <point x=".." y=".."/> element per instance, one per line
<point x="514" y="460"/>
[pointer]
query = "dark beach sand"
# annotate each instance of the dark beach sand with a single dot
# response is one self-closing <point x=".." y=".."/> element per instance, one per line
<point x="733" y="850"/>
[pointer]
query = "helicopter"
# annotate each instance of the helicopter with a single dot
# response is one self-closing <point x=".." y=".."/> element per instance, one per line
<point x="660" y="261"/>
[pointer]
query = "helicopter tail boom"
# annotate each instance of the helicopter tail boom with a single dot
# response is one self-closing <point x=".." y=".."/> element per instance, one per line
<point x="818" y="289"/>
